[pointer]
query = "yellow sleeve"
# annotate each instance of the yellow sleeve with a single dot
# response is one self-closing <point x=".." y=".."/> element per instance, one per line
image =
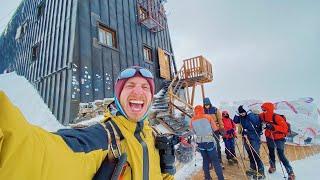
<point x="29" y="152"/>
<point x="167" y="176"/>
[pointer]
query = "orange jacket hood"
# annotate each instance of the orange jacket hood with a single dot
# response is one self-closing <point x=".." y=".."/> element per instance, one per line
<point x="198" y="110"/>
<point x="268" y="106"/>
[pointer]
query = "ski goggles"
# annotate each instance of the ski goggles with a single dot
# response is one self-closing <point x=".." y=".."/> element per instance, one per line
<point x="131" y="72"/>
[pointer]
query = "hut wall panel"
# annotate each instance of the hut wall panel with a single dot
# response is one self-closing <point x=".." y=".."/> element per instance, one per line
<point x="72" y="66"/>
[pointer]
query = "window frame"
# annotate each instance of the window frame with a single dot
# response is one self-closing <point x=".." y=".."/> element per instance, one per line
<point x="41" y="9"/>
<point x="35" y="55"/>
<point x="150" y="60"/>
<point x="113" y="33"/>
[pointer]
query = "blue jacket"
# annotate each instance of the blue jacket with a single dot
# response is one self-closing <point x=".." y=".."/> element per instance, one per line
<point x="251" y="124"/>
<point x="211" y="109"/>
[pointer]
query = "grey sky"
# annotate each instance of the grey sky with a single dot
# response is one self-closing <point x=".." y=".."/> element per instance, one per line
<point x="260" y="49"/>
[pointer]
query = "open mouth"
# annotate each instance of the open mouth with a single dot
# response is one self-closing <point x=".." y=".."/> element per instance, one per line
<point x="136" y="105"/>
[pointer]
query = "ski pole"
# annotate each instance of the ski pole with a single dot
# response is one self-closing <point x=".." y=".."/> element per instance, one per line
<point x="275" y="145"/>
<point x="250" y="148"/>
<point x="264" y="148"/>
<point x="241" y="158"/>
<point x="233" y="155"/>
<point x="195" y="156"/>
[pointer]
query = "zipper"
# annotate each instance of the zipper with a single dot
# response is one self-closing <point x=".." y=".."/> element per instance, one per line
<point x="145" y="150"/>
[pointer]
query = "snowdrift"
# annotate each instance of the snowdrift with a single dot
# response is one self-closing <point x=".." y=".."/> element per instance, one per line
<point x="28" y="100"/>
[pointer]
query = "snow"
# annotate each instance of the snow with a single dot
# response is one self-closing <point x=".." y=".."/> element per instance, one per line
<point x="92" y="121"/>
<point x="27" y="99"/>
<point x="188" y="169"/>
<point x="303" y="169"/>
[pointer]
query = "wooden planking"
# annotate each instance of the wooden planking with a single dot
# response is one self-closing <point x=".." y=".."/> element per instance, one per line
<point x="164" y="65"/>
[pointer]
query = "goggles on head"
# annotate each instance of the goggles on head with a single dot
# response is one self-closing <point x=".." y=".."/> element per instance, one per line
<point x="130" y="72"/>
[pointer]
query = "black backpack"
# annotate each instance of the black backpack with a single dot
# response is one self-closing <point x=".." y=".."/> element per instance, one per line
<point x="289" y="132"/>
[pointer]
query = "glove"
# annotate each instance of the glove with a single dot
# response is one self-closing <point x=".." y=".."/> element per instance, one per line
<point x="244" y="132"/>
<point x="230" y="132"/>
<point x="270" y="127"/>
<point x="222" y="131"/>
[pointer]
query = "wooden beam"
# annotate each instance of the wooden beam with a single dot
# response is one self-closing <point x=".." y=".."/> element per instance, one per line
<point x="188" y="94"/>
<point x="179" y="99"/>
<point x="184" y="112"/>
<point x="192" y="95"/>
<point x="202" y="90"/>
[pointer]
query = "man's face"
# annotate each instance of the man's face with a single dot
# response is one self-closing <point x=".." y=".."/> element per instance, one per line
<point x="243" y="114"/>
<point x="135" y="98"/>
<point x="207" y="106"/>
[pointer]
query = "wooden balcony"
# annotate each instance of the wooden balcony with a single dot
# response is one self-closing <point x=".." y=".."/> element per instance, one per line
<point x="196" y="70"/>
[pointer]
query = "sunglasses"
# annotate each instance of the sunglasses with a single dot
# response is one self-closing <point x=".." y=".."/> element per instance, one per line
<point x="130" y="72"/>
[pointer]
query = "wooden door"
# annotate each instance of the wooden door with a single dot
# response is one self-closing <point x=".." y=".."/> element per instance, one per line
<point x="164" y="62"/>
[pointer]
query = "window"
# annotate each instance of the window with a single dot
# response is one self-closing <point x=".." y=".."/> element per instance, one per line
<point x="147" y="53"/>
<point x="21" y="30"/>
<point x="107" y="36"/>
<point x="40" y="9"/>
<point x="35" y="52"/>
<point x="24" y="28"/>
<point x="142" y="13"/>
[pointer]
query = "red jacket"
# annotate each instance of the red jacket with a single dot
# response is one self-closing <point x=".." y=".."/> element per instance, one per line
<point x="228" y="125"/>
<point x="280" y="126"/>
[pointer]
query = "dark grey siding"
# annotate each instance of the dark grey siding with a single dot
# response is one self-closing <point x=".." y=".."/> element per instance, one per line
<point x="98" y="64"/>
<point x="73" y="67"/>
<point x="54" y="31"/>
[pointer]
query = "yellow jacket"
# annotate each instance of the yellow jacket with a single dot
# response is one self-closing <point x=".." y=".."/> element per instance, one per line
<point x="29" y="152"/>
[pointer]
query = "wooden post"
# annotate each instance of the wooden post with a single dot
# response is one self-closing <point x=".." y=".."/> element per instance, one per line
<point x="188" y="95"/>
<point x="202" y="90"/>
<point x="193" y="92"/>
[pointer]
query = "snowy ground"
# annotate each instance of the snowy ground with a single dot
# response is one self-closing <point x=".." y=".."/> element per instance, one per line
<point x="27" y="99"/>
<point x="305" y="169"/>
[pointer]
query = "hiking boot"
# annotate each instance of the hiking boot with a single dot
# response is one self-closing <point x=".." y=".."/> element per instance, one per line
<point x="271" y="169"/>
<point x="291" y="176"/>
<point x="230" y="162"/>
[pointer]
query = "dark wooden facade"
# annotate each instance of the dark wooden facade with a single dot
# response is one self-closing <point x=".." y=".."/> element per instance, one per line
<point x="72" y="66"/>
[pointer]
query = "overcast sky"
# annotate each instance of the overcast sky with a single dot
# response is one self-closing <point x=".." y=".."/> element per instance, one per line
<point x="260" y="49"/>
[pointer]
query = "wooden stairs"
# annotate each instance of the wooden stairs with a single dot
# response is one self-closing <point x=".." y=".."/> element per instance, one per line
<point x="173" y="105"/>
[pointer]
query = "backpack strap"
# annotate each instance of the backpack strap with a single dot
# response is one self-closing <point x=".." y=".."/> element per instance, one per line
<point x="274" y="118"/>
<point x="114" y="137"/>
